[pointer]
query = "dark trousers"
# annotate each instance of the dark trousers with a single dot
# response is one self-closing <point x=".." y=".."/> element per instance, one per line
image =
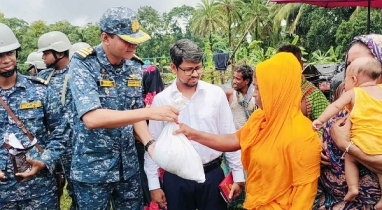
<point x="190" y="195"/>
<point x="145" y="186"/>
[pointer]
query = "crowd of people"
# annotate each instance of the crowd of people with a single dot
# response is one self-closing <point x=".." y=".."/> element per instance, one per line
<point x="92" y="117"/>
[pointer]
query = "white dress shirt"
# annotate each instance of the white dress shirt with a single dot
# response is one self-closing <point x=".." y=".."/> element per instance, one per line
<point x="209" y="111"/>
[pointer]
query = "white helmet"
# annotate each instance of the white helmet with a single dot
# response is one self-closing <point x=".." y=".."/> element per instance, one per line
<point x="8" y="40"/>
<point x="35" y="58"/>
<point x="54" y="40"/>
<point x="76" y="46"/>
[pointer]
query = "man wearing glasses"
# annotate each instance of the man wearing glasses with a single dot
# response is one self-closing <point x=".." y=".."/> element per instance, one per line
<point x="208" y="111"/>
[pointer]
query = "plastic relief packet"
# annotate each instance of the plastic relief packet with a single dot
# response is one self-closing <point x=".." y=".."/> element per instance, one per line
<point x="18" y="153"/>
<point x="174" y="153"/>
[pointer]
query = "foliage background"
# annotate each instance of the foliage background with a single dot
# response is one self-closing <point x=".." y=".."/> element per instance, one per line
<point x="219" y="26"/>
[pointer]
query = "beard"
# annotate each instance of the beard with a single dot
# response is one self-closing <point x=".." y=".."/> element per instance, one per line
<point x="187" y="84"/>
<point x="8" y="73"/>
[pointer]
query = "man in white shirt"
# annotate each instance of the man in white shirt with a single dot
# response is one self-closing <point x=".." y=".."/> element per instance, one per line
<point x="208" y="111"/>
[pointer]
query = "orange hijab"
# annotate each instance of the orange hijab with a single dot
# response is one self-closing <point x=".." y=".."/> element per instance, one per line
<point x="278" y="136"/>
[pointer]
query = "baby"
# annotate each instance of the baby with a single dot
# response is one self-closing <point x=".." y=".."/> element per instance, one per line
<point x="363" y="99"/>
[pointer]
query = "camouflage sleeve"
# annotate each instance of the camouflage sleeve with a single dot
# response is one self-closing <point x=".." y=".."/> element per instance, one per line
<point x="43" y="74"/>
<point x="58" y="129"/>
<point x="3" y="158"/>
<point x="83" y="87"/>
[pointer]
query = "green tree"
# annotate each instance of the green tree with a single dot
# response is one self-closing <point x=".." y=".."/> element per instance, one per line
<point x="357" y="25"/>
<point x="30" y="38"/>
<point x="91" y="34"/>
<point x="231" y="9"/>
<point x="259" y="10"/>
<point x="207" y="20"/>
<point x="322" y="32"/>
<point x="149" y="19"/>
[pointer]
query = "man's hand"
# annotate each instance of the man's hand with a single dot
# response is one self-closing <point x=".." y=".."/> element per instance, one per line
<point x="340" y="132"/>
<point x="186" y="130"/>
<point x="158" y="196"/>
<point x="235" y="191"/>
<point x="36" y="167"/>
<point x="163" y="113"/>
<point x="2" y="175"/>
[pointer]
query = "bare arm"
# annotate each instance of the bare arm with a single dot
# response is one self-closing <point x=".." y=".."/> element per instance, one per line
<point x="219" y="142"/>
<point x="107" y="118"/>
<point x="337" y="106"/>
<point x="229" y="94"/>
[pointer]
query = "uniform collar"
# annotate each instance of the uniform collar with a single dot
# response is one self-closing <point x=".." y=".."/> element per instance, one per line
<point x="102" y="58"/>
<point x="62" y="71"/>
<point x="101" y="55"/>
<point x="21" y="81"/>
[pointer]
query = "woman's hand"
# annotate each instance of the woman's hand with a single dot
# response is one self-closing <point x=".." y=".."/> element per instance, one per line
<point x="187" y="131"/>
<point x="324" y="159"/>
<point x="340" y="132"/>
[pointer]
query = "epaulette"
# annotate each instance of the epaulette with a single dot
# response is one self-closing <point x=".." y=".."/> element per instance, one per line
<point x="85" y="52"/>
<point x="135" y="57"/>
<point x="37" y="80"/>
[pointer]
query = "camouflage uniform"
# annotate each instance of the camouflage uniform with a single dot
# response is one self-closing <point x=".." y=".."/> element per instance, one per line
<point x="103" y="155"/>
<point x="56" y="84"/>
<point x="39" y="192"/>
<point x="105" y="162"/>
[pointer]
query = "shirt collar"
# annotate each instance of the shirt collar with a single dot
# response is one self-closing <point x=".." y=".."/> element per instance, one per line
<point x="102" y="58"/>
<point x="101" y="55"/>
<point x="200" y="87"/>
<point x="21" y="81"/>
<point x="62" y="71"/>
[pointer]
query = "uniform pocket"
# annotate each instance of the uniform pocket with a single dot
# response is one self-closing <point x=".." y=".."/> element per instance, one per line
<point x="133" y="97"/>
<point x="33" y="119"/>
<point x="108" y="97"/>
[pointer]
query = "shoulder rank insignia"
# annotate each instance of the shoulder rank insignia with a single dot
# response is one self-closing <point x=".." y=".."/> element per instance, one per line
<point x="37" y="80"/>
<point x="135" y="57"/>
<point x="85" y="52"/>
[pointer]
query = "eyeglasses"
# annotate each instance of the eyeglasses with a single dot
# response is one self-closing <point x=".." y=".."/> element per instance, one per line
<point x="190" y="71"/>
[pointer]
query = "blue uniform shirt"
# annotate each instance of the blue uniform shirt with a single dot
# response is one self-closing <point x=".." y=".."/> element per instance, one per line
<point x="103" y="155"/>
<point x="39" y="121"/>
<point x="56" y="83"/>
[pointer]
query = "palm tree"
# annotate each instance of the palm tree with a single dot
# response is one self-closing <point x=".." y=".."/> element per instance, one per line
<point x="291" y="13"/>
<point x="258" y="11"/>
<point x="232" y="10"/>
<point x="207" y="19"/>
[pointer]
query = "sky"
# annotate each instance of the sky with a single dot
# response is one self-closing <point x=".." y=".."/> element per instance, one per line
<point x="79" y="12"/>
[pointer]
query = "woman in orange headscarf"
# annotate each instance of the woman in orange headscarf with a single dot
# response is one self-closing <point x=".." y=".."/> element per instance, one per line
<point x="280" y="152"/>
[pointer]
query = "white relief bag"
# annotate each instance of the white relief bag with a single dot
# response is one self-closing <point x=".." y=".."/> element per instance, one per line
<point x="174" y="153"/>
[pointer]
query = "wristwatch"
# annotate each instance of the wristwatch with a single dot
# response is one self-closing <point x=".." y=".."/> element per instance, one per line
<point x="148" y="144"/>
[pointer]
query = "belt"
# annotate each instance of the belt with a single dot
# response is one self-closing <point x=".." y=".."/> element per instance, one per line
<point x="213" y="164"/>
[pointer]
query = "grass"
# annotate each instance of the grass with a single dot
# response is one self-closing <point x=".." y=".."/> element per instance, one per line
<point x="65" y="200"/>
